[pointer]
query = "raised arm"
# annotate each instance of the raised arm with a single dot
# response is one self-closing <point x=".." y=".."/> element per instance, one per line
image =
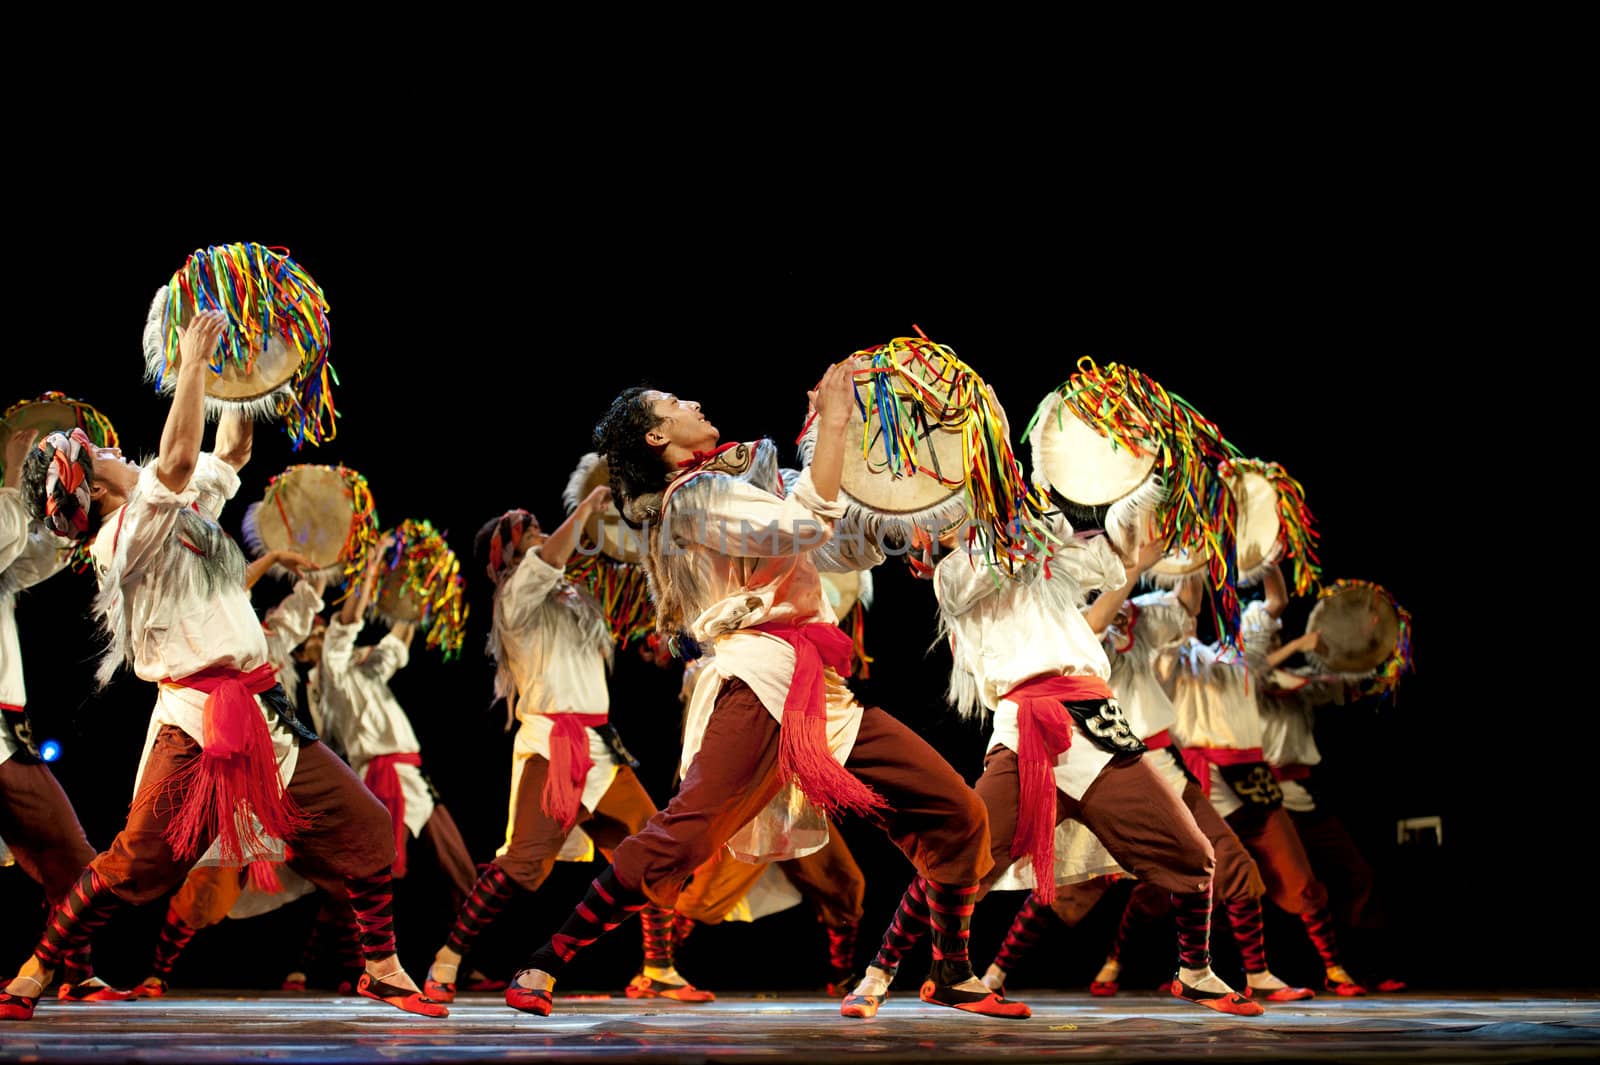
<point x="831" y="400"/>
<point x="559" y="545"/>
<point x="1276" y="658"/>
<point x="1277" y="592"/>
<point x="299" y="564"/>
<point x="1103" y="611"/>
<point x="184" y="431"/>
<point x="355" y="605"/>
<point x="235" y="436"/>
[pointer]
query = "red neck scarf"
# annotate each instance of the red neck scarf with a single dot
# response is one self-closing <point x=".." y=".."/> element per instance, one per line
<point x="1044" y="728"/>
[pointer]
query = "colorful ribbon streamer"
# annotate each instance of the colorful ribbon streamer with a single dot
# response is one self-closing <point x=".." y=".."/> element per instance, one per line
<point x="914" y="386"/>
<point x="1386" y="679"/>
<point x="264" y="293"/>
<point x="622" y="591"/>
<point x="363" y="534"/>
<point x="1297" y="533"/>
<point x="429" y="572"/>
<point x="94" y="424"/>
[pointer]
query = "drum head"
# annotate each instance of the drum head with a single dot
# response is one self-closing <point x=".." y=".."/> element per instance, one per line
<point x="395" y="602"/>
<point x="46" y="416"/>
<point x="1082" y="466"/>
<point x="1358" y="629"/>
<point x="1256" y="525"/>
<point x="868" y="481"/>
<point x="308" y="509"/>
<point x="1178" y="567"/>
<point x="616" y="539"/>
<point x="274" y="368"/>
<point x="843" y="591"/>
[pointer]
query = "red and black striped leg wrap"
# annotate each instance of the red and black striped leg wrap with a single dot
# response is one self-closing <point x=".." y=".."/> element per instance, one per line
<point x="909" y="925"/>
<point x="605" y="906"/>
<point x="1248" y="932"/>
<point x="950" y="915"/>
<point x="372" y="898"/>
<point x="1319" y="926"/>
<point x="1026" y="928"/>
<point x="86" y="909"/>
<point x="682" y="925"/>
<point x="77" y="965"/>
<point x="1193" y="910"/>
<point x="175" y="936"/>
<point x="842" y="947"/>
<point x="655" y="926"/>
<point x="490" y="895"/>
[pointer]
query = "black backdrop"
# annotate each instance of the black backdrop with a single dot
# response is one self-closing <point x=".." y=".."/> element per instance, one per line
<point x="477" y="345"/>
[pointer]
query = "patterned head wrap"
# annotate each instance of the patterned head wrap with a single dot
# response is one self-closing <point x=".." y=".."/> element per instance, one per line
<point x="505" y="539"/>
<point x="66" y="508"/>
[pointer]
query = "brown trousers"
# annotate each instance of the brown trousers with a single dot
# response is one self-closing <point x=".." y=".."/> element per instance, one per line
<point x="1135" y="815"/>
<point x="1236" y="875"/>
<point x="1281" y="857"/>
<point x="934" y="818"/>
<point x="209" y="892"/>
<point x="38" y="823"/>
<point x="536" y="837"/>
<point x="1339" y="864"/>
<point x="349" y="833"/>
<point x="829" y="879"/>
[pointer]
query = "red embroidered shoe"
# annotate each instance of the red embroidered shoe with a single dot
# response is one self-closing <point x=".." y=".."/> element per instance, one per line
<point x="529" y="1000"/>
<point x="1346" y="988"/>
<point x="476" y="981"/>
<point x="437" y="991"/>
<point x="862" y="1006"/>
<point x="295" y="981"/>
<point x="152" y="987"/>
<point x="642" y="986"/>
<point x="1104" y="988"/>
<point x="401" y="998"/>
<point x="1391" y="986"/>
<point x="1221" y="1001"/>
<point x="1280" y="994"/>
<point x="985" y="1003"/>
<point x="93" y="989"/>
<point x="16" y="1007"/>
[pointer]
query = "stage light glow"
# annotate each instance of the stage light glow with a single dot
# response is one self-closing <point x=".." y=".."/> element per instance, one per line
<point x="49" y="750"/>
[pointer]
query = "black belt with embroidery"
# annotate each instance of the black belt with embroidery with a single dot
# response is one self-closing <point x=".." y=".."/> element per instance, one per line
<point x="21" y="730"/>
<point x="278" y="700"/>
<point x="608" y="734"/>
<point x="1102" y="719"/>
<point x="1254" y="784"/>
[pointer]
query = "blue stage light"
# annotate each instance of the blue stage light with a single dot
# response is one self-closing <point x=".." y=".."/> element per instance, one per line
<point x="50" y="750"/>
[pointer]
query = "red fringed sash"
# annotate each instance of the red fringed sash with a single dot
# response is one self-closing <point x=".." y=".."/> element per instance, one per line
<point x="235" y="776"/>
<point x="803" y="743"/>
<point x="1044" y="728"/>
<point x="384" y="783"/>
<point x="569" y="764"/>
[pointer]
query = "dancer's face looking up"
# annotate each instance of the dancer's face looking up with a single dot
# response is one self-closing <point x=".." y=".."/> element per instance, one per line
<point x="681" y="425"/>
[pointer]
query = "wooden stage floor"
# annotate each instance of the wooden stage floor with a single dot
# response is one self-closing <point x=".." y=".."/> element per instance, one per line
<point x="1065" y="1027"/>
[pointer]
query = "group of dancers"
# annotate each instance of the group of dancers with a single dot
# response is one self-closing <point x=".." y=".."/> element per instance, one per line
<point x="1120" y="745"/>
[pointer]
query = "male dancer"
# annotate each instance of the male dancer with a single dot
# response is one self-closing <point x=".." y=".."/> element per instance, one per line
<point x="173" y="600"/>
<point x="37" y="821"/>
<point x="210" y="892"/>
<point x="729" y="561"/>
<point x="552" y="647"/>
<point x="1219" y="729"/>
<point x="1140" y="638"/>
<point x="1061" y="748"/>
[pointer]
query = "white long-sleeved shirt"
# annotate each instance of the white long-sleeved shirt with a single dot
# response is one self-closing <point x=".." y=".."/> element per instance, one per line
<point x="1006" y="630"/>
<point x="286" y="627"/>
<point x="167" y="618"/>
<point x="358" y="713"/>
<point x="29" y="553"/>
<point x="553" y="642"/>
